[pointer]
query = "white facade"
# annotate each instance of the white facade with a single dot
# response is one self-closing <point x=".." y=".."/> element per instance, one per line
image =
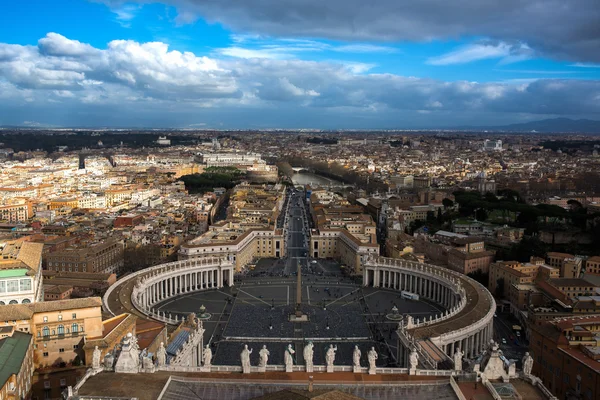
<point x="492" y="145"/>
<point x="231" y="159"/>
<point x="21" y="275"/>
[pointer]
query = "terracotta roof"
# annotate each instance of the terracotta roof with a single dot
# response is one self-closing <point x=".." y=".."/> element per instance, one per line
<point x="14" y="312"/>
<point x="570" y="282"/>
<point x="295" y="394"/>
<point x="59" y="305"/>
<point x="31" y="254"/>
<point x="554" y="292"/>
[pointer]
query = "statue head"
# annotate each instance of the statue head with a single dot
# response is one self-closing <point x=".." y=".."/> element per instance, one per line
<point x="207" y="345"/>
<point x="162" y="344"/>
<point x="356" y="346"/>
<point x="331" y="346"/>
<point x="245" y="347"/>
<point x="373" y="348"/>
<point x="96" y="348"/>
<point x="526" y="354"/>
<point x="264" y="346"/>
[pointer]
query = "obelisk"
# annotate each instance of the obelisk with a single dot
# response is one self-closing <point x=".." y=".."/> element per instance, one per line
<point x="298" y="316"/>
<point x="298" y="290"/>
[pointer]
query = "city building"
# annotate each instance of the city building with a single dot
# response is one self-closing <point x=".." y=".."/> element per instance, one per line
<point x="21" y="279"/>
<point x="569" y="265"/>
<point x="60" y="328"/>
<point x="592" y="265"/>
<point x="566" y="354"/>
<point x="469" y="255"/>
<point x="16" y="366"/>
<point x="17" y="211"/>
<point x="103" y="257"/>
<point x="492" y="145"/>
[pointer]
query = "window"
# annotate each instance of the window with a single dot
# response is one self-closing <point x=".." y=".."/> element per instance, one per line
<point x="2" y="286"/>
<point x="12" y="286"/>
<point x="74" y="328"/>
<point x="63" y="382"/>
<point x="45" y="319"/>
<point x="45" y="354"/>
<point x="74" y="316"/>
<point x="60" y="317"/>
<point x="25" y="284"/>
<point x="46" y="384"/>
<point x="61" y="350"/>
<point x="13" y="302"/>
<point x="61" y="330"/>
<point x="75" y="346"/>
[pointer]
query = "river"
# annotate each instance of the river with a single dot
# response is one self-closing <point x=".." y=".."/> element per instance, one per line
<point x="307" y="178"/>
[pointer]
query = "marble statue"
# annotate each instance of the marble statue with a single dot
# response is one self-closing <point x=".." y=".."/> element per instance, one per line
<point x="245" y="358"/>
<point x="414" y="359"/>
<point x="288" y="358"/>
<point x="161" y="355"/>
<point x="207" y="356"/>
<point x="527" y="364"/>
<point x="135" y="348"/>
<point x="129" y="358"/>
<point x="330" y="355"/>
<point x="356" y="356"/>
<point x="264" y="356"/>
<point x="191" y="320"/>
<point x="109" y="360"/>
<point x="147" y="364"/>
<point x="96" y="358"/>
<point x="458" y="356"/>
<point x="372" y="356"/>
<point x="308" y="356"/>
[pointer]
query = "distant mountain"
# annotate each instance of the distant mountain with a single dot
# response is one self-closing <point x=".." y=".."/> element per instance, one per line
<point x="547" y="126"/>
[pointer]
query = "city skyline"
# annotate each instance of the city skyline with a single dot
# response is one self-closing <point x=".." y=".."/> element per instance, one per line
<point x="258" y="65"/>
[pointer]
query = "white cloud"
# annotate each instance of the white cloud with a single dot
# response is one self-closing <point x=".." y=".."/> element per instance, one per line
<point x="255" y="46"/>
<point x="482" y="51"/>
<point x="585" y="65"/>
<point x="364" y="48"/>
<point x="132" y="83"/>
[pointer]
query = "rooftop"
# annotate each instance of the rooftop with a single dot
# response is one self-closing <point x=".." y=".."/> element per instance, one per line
<point x="13" y="350"/>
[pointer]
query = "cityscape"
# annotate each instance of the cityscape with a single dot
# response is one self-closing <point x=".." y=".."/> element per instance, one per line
<point x="283" y="212"/>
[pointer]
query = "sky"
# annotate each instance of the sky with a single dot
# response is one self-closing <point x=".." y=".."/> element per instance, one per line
<point x="335" y="64"/>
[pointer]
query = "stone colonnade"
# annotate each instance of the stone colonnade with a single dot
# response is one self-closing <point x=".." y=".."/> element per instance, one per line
<point x="444" y="287"/>
<point x="173" y="279"/>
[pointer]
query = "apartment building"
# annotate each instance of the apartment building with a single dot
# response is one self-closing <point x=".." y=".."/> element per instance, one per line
<point x="566" y="355"/>
<point x="569" y="265"/>
<point x="342" y="231"/>
<point x="103" y="257"/>
<point x="469" y="255"/>
<point x="20" y="211"/>
<point x="592" y="265"/>
<point x="504" y="274"/>
<point x="59" y="328"/>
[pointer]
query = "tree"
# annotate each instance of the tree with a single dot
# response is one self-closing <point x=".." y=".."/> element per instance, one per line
<point x="480" y="277"/>
<point x="447" y="203"/>
<point x="481" y="214"/>
<point x="440" y="217"/>
<point x="500" y="287"/>
<point x="430" y="216"/>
